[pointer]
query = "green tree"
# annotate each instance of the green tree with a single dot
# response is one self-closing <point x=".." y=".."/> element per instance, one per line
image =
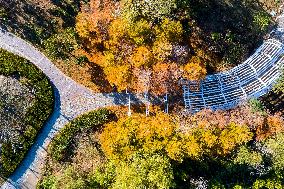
<point x="144" y="171"/>
<point x="61" y="45"/>
<point x="151" y="9"/>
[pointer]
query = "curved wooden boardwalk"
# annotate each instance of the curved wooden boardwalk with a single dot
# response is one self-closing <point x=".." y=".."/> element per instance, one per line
<point x="251" y="79"/>
<point x="224" y="90"/>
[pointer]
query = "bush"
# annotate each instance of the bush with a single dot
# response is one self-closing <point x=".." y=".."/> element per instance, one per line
<point x="59" y="145"/>
<point x="256" y="106"/>
<point x="261" y="21"/>
<point x="36" y="115"/>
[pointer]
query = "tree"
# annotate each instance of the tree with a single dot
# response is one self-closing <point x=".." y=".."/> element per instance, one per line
<point x="144" y="171"/>
<point x="159" y="134"/>
<point x="140" y="32"/>
<point x="142" y="57"/>
<point x="92" y="25"/>
<point x="119" y="76"/>
<point x="119" y="140"/>
<point x="134" y="45"/>
<point x="165" y="80"/>
<point x="152" y="10"/>
<point x="141" y="84"/>
<point x="275" y="148"/>
<point x="169" y="30"/>
<point x="162" y="49"/>
<point x="61" y="45"/>
<point x="271" y="126"/>
<point x="194" y="69"/>
<point x="279" y="86"/>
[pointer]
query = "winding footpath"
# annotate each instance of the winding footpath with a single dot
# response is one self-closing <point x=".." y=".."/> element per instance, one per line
<point x="71" y="100"/>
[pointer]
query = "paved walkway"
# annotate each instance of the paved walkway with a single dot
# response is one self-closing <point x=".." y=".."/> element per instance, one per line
<point x="71" y="100"/>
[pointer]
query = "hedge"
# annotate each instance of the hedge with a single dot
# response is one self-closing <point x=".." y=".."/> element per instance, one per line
<point x="37" y="114"/>
<point x="60" y="144"/>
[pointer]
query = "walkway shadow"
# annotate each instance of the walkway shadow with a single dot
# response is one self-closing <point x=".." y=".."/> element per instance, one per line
<point x="123" y="98"/>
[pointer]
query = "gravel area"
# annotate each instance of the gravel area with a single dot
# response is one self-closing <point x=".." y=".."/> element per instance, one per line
<point x="15" y="99"/>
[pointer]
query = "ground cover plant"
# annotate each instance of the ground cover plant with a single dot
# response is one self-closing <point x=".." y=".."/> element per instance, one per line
<point x="241" y="148"/>
<point x="26" y="102"/>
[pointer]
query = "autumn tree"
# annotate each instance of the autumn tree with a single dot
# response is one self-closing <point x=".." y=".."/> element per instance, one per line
<point x="152" y="9"/>
<point x="194" y="69"/>
<point x="138" y="44"/>
<point x="141" y="84"/>
<point x="160" y="134"/>
<point x="165" y="80"/>
<point x="151" y="134"/>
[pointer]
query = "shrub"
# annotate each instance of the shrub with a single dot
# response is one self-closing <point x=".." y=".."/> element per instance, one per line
<point x="256" y="106"/>
<point x="279" y="86"/>
<point x="59" y="145"/>
<point x="261" y="21"/>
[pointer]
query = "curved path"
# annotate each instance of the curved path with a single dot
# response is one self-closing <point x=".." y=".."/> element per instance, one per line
<point x="72" y="99"/>
<point x="251" y="79"/>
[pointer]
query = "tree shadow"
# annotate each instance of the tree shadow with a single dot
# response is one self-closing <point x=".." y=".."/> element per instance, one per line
<point x="227" y="28"/>
<point x="35" y="23"/>
<point x="274" y="102"/>
<point x="99" y="78"/>
<point x="215" y="171"/>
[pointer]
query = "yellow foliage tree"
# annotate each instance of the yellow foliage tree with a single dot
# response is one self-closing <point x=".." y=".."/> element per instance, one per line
<point x="162" y="49"/>
<point x="169" y="30"/>
<point x="84" y="25"/>
<point x="140" y="32"/>
<point x="119" y="75"/>
<point x="232" y="136"/>
<point x="160" y="134"/>
<point x="216" y="141"/>
<point x="117" y="32"/>
<point x="142" y="57"/>
<point x="129" y="135"/>
<point x="194" y="70"/>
